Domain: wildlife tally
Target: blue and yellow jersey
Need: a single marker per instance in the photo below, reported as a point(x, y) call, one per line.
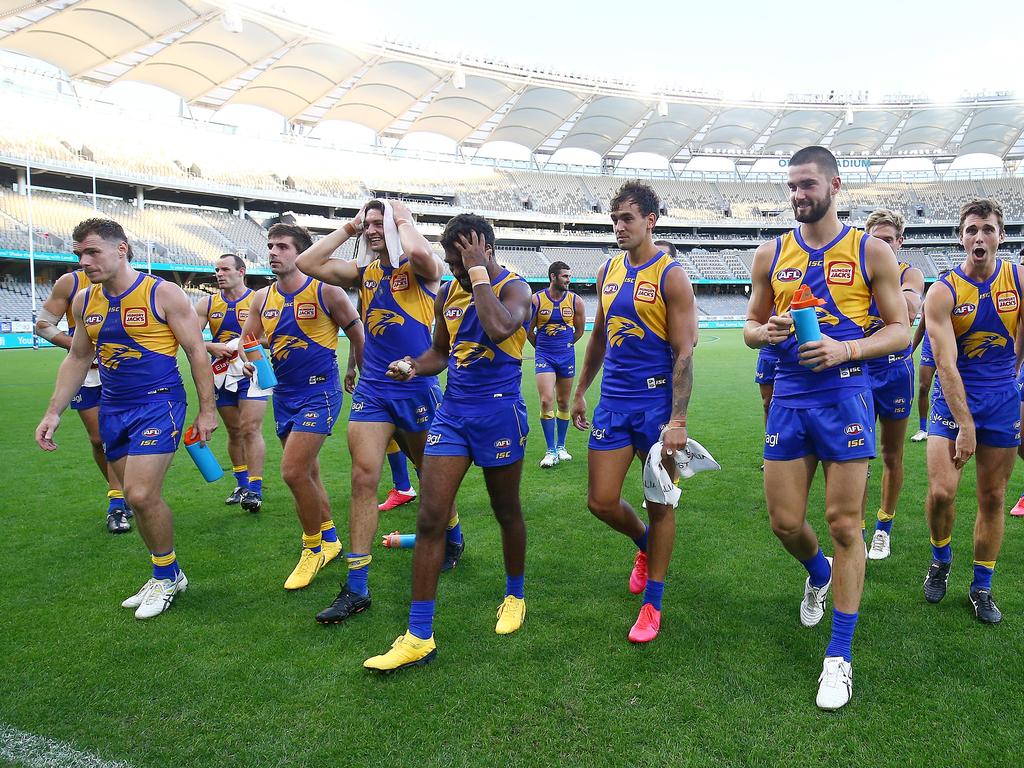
point(303, 338)
point(638, 356)
point(875, 324)
point(835, 273)
point(478, 369)
point(985, 320)
point(228, 317)
point(397, 312)
point(136, 349)
point(556, 334)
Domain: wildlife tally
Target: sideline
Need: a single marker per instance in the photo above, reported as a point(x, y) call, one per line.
point(23, 748)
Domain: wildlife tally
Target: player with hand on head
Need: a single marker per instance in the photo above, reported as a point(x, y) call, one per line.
point(133, 323)
point(87, 401)
point(974, 322)
point(242, 413)
point(892, 383)
point(558, 323)
point(479, 332)
point(822, 409)
point(300, 318)
point(644, 335)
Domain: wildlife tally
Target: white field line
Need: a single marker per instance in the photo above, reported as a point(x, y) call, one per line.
point(31, 751)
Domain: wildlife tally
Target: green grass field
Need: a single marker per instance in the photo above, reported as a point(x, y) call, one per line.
point(238, 673)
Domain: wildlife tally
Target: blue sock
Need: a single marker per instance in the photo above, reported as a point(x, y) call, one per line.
point(641, 540)
point(115, 504)
point(884, 525)
point(843, 625)
point(421, 619)
point(256, 485)
point(399, 471)
point(241, 476)
point(455, 534)
point(328, 531)
point(982, 577)
point(943, 553)
point(548, 426)
point(358, 578)
point(922, 424)
point(514, 586)
point(562, 428)
point(165, 566)
point(653, 593)
point(818, 569)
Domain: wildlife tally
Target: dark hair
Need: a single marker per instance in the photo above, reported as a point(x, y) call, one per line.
point(645, 198)
point(239, 264)
point(667, 246)
point(556, 267)
point(463, 224)
point(374, 205)
point(300, 236)
point(108, 229)
point(983, 207)
point(820, 156)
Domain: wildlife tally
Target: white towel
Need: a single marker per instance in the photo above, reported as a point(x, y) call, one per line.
point(658, 485)
point(391, 240)
point(227, 373)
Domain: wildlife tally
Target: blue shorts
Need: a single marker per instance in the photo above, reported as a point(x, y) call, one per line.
point(841, 431)
point(996, 418)
point(927, 361)
point(139, 430)
point(1020, 386)
point(314, 412)
point(87, 397)
point(613, 429)
point(765, 371)
point(495, 438)
point(228, 399)
point(563, 366)
point(409, 414)
point(893, 389)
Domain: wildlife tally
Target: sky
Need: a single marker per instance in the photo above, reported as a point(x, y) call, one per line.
point(742, 49)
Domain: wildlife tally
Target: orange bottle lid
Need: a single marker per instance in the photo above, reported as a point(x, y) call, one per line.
point(803, 298)
point(192, 436)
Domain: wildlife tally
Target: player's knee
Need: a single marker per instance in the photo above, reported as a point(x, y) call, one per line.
point(365, 478)
point(991, 501)
point(844, 530)
point(939, 495)
point(138, 496)
point(547, 403)
point(507, 511)
point(892, 458)
point(295, 475)
point(785, 528)
point(432, 520)
point(603, 509)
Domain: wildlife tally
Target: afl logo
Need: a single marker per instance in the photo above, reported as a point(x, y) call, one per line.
point(453, 313)
point(646, 292)
point(544, 312)
point(305, 312)
point(136, 317)
point(1006, 301)
point(611, 288)
point(216, 315)
point(271, 314)
point(93, 319)
point(370, 285)
point(853, 429)
point(505, 443)
point(151, 432)
point(961, 310)
point(788, 275)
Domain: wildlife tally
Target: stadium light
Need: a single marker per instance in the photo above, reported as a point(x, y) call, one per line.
point(662, 107)
point(459, 77)
point(231, 20)
point(849, 115)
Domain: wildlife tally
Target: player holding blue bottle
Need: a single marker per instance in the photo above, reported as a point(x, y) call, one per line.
point(558, 322)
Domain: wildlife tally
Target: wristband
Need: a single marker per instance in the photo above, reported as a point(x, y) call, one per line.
point(350, 229)
point(402, 223)
point(479, 276)
point(855, 346)
point(677, 423)
point(849, 352)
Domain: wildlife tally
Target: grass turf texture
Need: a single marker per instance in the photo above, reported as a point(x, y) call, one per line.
point(238, 673)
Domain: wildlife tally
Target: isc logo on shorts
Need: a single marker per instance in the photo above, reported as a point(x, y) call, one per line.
point(151, 432)
point(960, 310)
point(305, 311)
point(93, 319)
point(840, 273)
point(1006, 301)
point(433, 438)
point(655, 382)
point(503, 443)
point(853, 429)
point(503, 455)
point(646, 292)
point(611, 288)
point(400, 282)
point(788, 275)
point(136, 317)
point(453, 313)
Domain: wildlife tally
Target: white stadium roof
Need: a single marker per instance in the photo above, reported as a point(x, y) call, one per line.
point(212, 59)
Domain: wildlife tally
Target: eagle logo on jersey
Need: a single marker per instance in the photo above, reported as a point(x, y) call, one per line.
point(378, 321)
point(619, 328)
point(978, 343)
point(553, 329)
point(283, 346)
point(468, 352)
point(112, 355)
point(825, 317)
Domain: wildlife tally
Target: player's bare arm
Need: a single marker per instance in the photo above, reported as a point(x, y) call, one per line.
point(679, 307)
point(757, 332)
point(435, 358)
point(316, 260)
point(415, 246)
point(579, 318)
point(913, 292)
point(345, 315)
point(499, 317)
point(938, 307)
point(593, 359)
point(174, 305)
point(53, 308)
point(531, 331)
point(70, 377)
point(215, 349)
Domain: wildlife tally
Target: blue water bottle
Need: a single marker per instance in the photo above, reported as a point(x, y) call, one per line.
point(396, 540)
point(805, 318)
point(201, 454)
point(265, 377)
